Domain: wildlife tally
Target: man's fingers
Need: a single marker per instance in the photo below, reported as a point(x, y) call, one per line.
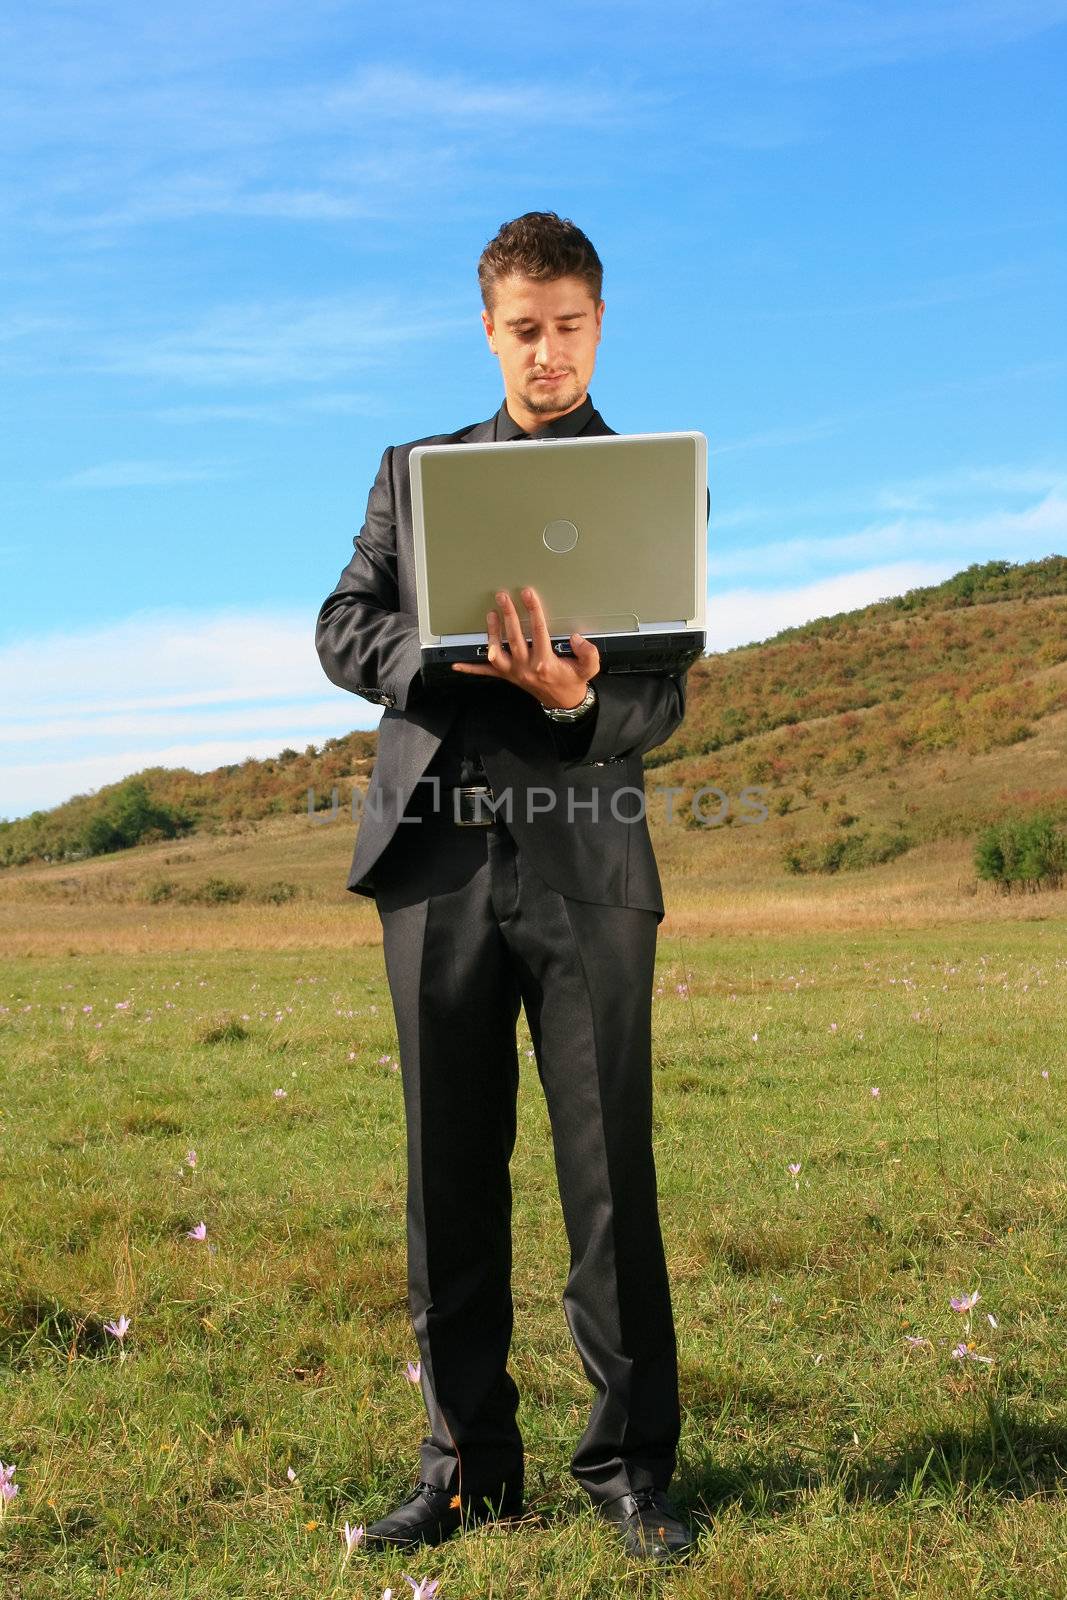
point(516, 663)
point(501, 664)
point(542, 639)
point(500, 657)
point(516, 637)
point(586, 655)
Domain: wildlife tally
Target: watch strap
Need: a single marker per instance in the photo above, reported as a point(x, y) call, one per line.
point(573, 713)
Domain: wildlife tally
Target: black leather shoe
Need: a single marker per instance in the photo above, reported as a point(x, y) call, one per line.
point(431, 1514)
point(651, 1528)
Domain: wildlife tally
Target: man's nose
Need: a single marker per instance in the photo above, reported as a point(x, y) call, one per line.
point(544, 353)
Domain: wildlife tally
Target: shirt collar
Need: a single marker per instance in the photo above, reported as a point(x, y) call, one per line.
point(565, 427)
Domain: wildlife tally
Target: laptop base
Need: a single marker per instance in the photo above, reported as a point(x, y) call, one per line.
point(653, 652)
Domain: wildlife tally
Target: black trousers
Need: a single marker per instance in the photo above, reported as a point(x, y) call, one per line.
point(470, 931)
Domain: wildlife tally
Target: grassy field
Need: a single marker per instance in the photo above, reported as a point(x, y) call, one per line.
point(832, 1443)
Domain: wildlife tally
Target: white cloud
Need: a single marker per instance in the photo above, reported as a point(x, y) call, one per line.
point(167, 143)
point(964, 483)
point(844, 34)
point(236, 722)
point(939, 523)
point(936, 491)
point(169, 656)
point(285, 411)
point(161, 688)
point(776, 438)
point(747, 615)
point(958, 289)
point(140, 474)
point(399, 94)
point(26, 325)
point(1026, 534)
point(37, 786)
point(282, 341)
point(834, 36)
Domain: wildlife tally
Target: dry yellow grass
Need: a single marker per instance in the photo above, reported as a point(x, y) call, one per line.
point(929, 887)
point(33, 929)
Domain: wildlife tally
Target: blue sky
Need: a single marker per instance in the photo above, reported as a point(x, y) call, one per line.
point(238, 245)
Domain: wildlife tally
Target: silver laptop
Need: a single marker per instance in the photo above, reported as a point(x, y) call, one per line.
point(611, 531)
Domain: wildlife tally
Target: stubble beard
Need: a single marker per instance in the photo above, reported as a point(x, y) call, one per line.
point(552, 404)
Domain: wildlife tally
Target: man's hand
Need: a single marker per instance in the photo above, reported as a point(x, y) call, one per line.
point(555, 681)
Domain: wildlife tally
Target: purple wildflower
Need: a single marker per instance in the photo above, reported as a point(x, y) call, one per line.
point(963, 1352)
point(424, 1590)
point(351, 1537)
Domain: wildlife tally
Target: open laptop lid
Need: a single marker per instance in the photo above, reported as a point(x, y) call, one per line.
point(611, 532)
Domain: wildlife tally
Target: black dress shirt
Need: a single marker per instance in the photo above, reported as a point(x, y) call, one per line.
point(456, 761)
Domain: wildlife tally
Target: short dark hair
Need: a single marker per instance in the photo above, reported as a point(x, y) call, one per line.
point(542, 246)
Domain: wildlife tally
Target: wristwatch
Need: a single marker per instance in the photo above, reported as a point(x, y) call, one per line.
point(572, 713)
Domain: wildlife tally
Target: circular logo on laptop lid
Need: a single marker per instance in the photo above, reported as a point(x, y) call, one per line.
point(560, 536)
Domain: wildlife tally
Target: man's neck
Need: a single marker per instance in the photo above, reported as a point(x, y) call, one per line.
point(532, 422)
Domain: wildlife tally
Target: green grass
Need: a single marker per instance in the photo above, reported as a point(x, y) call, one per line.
point(821, 1455)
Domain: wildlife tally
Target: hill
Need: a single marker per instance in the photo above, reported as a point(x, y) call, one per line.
point(889, 732)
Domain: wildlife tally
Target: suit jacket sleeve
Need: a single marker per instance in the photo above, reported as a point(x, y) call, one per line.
point(365, 643)
point(635, 711)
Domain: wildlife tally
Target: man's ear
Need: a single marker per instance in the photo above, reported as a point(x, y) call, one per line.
point(490, 331)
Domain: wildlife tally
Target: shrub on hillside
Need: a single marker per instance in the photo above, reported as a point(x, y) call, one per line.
point(130, 816)
point(1029, 852)
point(277, 893)
point(847, 852)
point(216, 892)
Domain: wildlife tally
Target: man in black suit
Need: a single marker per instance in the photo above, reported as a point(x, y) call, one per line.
point(504, 841)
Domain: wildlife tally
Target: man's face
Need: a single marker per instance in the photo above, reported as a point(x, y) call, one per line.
point(545, 337)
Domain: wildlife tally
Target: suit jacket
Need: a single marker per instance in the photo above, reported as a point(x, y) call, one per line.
point(367, 638)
